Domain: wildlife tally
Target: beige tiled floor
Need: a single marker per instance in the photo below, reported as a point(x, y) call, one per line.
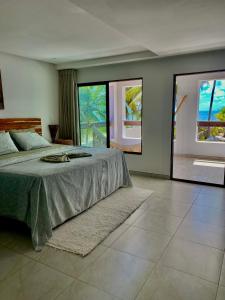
point(171, 248)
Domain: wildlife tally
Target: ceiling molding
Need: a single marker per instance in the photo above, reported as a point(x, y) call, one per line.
point(107, 60)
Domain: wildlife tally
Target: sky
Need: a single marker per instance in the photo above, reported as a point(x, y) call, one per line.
point(205, 95)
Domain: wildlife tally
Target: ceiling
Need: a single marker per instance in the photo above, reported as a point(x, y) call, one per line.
point(60, 31)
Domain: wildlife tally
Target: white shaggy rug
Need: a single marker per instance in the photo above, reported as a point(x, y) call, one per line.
point(84, 232)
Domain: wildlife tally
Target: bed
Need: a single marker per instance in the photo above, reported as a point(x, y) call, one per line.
point(45, 195)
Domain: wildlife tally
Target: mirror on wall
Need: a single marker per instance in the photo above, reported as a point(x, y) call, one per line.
point(199, 128)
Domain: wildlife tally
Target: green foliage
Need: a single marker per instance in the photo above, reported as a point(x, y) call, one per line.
point(92, 103)
point(92, 110)
point(217, 131)
point(221, 115)
point(133, 103)
point(202, 133)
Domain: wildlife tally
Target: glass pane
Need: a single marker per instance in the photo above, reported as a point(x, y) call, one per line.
point(212, 133)
point(218, 108)
point(133, 106)
point(92, 105)
point(133, 99)
point(204, 99)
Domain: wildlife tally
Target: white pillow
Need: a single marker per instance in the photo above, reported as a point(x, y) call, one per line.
point(6, 144)
point(29, 140)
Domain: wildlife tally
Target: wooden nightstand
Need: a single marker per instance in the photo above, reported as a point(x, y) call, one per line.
point(63, 142)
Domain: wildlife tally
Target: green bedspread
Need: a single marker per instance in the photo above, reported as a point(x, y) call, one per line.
point(44, 195)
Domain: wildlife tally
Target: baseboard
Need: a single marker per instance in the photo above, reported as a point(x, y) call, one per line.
point(146, 174)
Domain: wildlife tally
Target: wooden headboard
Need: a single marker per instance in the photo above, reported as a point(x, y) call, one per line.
point(21, 123)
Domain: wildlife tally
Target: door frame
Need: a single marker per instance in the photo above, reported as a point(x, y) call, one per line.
point(172, 131)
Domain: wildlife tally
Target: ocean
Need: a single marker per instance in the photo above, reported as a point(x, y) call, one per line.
point(203, 115)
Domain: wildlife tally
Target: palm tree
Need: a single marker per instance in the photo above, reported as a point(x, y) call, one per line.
point(133, 102)
point(92, 107)
point(221, 115)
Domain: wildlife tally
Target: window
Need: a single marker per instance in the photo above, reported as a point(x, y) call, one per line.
point(211, 111)
point(111, 115)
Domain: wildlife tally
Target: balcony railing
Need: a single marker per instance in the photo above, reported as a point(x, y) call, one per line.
point(207, 131)
point(94, 124)
point(101, 124)
point(131, 123)
point(210, 124)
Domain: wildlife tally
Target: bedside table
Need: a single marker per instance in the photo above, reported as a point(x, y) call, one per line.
point(63, 142)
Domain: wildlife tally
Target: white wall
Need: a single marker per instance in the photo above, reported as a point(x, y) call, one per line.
point(186, 142)
point(157, 100)
point(30, 89)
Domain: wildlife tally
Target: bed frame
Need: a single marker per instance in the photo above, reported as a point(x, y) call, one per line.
point(21, 123)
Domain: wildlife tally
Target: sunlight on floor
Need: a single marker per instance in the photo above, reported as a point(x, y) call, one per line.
point(199, 169)
point(207, 163)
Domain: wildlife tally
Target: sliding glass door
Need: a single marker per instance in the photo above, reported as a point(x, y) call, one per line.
point(110, 114)
point(93, 110)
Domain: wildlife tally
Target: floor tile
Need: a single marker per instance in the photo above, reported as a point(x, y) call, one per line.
point(22, 244)
point(190, 264)
point(163, 205)
point(34, 281)
point(202, 233)
point(139, 212)
point(210, 200)
point(10, 262)
point(147, 182)
point(195, 259)
point(115, 235)
point(169, 284)
point(118, 273)
point(82, 291)
point(159, 223)
point(145, 244)
point(69, 263)
point(178, 191)
point(221, 293)
point(207, 214)
point(213, 191)
point(16, 236)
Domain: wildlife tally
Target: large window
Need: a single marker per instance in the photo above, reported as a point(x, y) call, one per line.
point(111, 114)
point(211, 111)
